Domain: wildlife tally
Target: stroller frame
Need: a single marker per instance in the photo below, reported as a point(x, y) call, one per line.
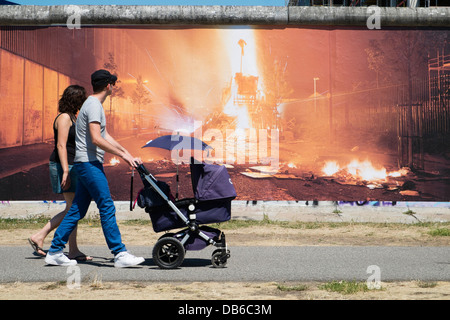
point(169, 251)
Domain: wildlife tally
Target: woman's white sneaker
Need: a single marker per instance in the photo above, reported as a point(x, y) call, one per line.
point(59, 259)
point(124, 259)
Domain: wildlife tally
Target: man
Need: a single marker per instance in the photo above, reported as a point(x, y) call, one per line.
point(92, 141)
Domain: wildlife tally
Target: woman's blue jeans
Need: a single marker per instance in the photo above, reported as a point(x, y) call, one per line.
point(92, 185)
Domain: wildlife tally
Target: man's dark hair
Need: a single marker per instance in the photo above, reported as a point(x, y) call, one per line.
point(100, 80)
point(99, 87)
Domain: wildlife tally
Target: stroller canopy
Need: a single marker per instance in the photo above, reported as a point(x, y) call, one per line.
point(211, 182)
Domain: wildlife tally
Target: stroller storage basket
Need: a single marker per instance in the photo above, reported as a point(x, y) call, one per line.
point(197, 243)
point(164, 218)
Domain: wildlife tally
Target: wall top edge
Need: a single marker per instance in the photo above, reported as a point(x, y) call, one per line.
point(222, 15)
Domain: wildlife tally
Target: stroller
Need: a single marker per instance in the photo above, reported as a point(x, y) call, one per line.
point(213, 193)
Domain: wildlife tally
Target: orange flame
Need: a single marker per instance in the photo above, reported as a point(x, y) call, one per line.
point(114, 161)
point(330, 168)
point(361, 171)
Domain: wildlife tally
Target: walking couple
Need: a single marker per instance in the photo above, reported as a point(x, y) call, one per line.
point(78, 161)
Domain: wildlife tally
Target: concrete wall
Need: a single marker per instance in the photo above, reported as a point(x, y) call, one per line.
point(322, 211)
point(224, 15)
point(239, 15)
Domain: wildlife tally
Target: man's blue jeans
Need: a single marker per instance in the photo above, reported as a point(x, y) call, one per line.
point(92, 185)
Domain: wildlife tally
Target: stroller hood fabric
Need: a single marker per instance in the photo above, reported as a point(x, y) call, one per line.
point(211, 182)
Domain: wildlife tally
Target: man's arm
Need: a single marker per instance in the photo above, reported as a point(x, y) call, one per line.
point(108, 144)
point(114, 143)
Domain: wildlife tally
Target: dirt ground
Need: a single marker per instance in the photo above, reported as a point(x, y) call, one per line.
point(346, 234)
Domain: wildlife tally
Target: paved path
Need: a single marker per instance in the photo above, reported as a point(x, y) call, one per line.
point(18, 263)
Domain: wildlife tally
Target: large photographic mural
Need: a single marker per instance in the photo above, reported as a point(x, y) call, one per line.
point(294, 113)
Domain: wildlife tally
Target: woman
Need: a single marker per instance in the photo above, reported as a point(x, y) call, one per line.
point(62, 173)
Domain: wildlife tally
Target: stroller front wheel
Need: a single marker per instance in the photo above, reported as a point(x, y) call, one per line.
point(219, 258)
point(168, 253)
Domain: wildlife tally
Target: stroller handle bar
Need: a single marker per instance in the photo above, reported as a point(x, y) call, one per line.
point(141, 169)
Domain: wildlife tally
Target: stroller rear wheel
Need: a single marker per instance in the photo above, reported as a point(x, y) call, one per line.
point(168, 253)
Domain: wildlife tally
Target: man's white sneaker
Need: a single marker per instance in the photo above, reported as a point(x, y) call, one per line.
point(59, 259)
point(124, 259)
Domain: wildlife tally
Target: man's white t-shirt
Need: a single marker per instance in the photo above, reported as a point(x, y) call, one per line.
point(91, 111)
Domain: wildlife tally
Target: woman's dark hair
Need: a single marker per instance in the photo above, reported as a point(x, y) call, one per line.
point(72, 99)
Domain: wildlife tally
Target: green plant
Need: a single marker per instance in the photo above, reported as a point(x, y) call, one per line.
point(53, 286)
point(411, 213)
point(345, 287)
point(300, 287)
point(426, 284)
point(28, 223)
point(440, 232)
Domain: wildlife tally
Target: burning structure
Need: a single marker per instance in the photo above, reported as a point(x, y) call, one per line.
point(243, 104)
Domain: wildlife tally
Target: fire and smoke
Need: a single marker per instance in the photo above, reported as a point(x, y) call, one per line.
point(243, 65)
point(360, 171)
